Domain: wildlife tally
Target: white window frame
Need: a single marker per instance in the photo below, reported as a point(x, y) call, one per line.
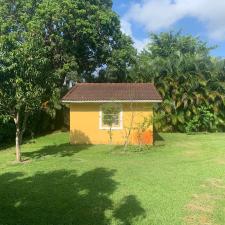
point(101, 127)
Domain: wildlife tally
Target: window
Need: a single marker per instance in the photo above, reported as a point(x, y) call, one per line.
point(111, 116)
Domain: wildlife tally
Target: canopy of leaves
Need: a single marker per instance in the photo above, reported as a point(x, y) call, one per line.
point(45, 42)
point(186, 77)
point(82, 36)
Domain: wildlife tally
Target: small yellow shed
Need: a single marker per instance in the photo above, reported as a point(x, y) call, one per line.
point(132, 121)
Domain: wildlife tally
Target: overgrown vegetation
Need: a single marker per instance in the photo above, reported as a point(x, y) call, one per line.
point(203, 121)
point(190, 81)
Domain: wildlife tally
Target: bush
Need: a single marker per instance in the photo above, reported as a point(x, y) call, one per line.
point(204, 121)
point(192, 126)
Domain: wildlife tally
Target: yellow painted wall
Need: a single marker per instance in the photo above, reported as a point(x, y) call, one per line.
point(85, 126)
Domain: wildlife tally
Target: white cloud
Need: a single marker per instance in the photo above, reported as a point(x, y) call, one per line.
point(155, 15)
point(126, 28)
point(140, 44)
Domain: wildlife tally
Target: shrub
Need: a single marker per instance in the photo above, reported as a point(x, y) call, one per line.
point(203, 121)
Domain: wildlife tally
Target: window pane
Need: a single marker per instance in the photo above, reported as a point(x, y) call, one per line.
point(111, 116)
point(110, 120)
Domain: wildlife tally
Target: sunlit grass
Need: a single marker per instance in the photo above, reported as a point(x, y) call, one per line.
point(181, 180)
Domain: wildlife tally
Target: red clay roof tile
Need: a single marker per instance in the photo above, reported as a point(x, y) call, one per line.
point(97, 92)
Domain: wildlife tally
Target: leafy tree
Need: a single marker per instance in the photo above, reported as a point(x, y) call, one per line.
point(45, 42)
point(24, 86)
point(80, 36)
point(85, 35)
point(119, 62)
point(186, 77)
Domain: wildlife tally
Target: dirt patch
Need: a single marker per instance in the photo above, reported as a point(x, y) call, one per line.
point(200, 210)
point(199, 207)
point(203, 219)
point(202, 205)
point(220, 161)
point(206, 197)
point(198, 220)
point(216, 183)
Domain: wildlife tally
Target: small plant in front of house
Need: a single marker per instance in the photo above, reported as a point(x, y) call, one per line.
point(142, 128)
point(111, 117)
point(130, 127)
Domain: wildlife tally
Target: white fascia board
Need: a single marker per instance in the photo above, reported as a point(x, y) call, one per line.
point(109, 101)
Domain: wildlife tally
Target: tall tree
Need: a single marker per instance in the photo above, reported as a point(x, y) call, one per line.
point(86, 32)
point(120, 61)
point(42, 42)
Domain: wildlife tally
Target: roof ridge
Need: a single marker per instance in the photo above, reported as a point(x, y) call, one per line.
point(70, 90)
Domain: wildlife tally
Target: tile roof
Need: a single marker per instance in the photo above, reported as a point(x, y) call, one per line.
point(106, 92)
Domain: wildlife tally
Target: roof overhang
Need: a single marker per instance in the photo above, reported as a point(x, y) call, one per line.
point(113, 101)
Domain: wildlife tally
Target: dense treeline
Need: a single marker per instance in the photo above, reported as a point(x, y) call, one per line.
point(191, 82)
point(44, 45)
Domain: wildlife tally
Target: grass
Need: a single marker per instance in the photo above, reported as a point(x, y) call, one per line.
point(179, 181)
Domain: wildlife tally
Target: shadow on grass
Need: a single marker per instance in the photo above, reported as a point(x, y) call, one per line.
point(81, 142)
point(158, 137)
point(64, 197)
point(62, 150)
point(26, 140)
point(158, 140)
point(128, 210)
point(5, 146)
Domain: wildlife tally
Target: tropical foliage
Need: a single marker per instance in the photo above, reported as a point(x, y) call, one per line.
point(204, 120)
point(187, 77)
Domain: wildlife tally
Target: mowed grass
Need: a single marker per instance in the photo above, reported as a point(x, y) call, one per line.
point(181, 180)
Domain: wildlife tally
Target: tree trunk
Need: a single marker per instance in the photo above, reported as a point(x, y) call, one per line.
point(23, 128)
point(130, 128)
point(110, 135)
point(16, 120)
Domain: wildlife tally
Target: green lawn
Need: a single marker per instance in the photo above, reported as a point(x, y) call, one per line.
point(179, 181)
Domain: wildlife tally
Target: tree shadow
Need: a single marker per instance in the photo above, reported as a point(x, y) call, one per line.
point(5, 146)
point(80, 142)
point(79, 137)
point(62, 150)
point(158, 139)
point(63, 197)
point(129, 210)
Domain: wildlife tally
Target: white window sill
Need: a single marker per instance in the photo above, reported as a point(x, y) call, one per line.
point(113, 128)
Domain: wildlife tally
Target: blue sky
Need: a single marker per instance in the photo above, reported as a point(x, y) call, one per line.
point(202, 18)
